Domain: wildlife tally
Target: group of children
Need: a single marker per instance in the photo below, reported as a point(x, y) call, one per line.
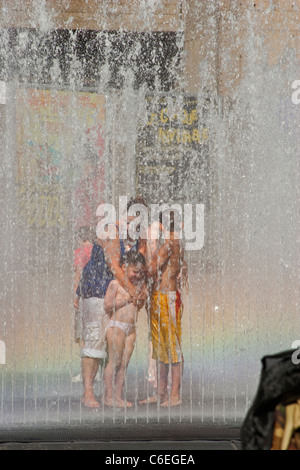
point(154, 270)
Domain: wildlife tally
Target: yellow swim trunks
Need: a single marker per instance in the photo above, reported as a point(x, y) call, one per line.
point(165, 319)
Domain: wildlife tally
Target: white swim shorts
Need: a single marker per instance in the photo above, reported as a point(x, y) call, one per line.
point(94, 320)
point(127, 328)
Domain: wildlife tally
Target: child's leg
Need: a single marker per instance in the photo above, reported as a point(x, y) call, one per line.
point(120, 378)
point(89, 370)
point(116, 344)
point(162, 380)
point(175, 398)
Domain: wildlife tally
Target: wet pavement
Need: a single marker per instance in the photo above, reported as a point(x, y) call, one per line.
point(65, 424)
point(54, 418)
point(191, 446)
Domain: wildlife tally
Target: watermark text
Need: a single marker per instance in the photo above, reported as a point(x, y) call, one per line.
point(184, 222)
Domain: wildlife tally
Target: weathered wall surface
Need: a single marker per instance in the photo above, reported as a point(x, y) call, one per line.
point(215, 32)
point(132, 15)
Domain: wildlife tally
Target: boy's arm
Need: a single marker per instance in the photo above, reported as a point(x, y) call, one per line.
point(184, 276)
point(110, 302)
point(145, 291)
point(111, 248)
point(162, 258)
point(77, 276)
point(110, 297)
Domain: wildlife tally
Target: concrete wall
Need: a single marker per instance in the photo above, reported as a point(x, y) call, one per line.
point(215, 31)
point(132, 15)
point(216, 36)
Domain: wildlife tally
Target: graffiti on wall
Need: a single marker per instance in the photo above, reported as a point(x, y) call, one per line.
point(59, 145)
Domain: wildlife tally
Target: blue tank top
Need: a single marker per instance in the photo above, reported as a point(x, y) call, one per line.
point(96, 274)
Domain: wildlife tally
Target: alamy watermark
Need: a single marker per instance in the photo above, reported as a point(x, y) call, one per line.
point(296, 93)
point(296, 353)
point(2, 353)
point(186, 222)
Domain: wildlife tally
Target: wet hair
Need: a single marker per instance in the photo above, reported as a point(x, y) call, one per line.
point(132, 258)
point(136, 200)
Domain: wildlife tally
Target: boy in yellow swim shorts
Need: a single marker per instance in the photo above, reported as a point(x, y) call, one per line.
point(165, 316)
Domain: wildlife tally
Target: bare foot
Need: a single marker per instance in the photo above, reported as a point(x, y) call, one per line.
point(124, 404)
point(90, 402)
point(118, 403)
point(171, 402)
point(148, 400)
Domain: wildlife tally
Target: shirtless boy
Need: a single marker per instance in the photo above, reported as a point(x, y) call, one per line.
point(165, 316)
point(121, 329)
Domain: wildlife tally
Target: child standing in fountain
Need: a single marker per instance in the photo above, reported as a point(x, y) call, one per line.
point(121, 329)
point(166, 312)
